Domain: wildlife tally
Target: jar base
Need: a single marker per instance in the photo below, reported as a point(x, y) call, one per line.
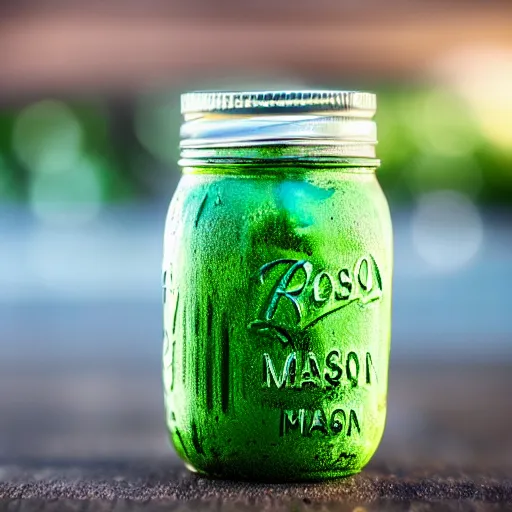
point(314, 476)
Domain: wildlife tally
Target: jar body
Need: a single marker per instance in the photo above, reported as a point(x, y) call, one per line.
point(277, 312)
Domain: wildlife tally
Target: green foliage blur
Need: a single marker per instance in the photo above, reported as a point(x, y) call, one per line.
point(432, 139)
point(97, 152)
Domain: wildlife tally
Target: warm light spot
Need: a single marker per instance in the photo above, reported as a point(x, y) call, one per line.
point(482, 75)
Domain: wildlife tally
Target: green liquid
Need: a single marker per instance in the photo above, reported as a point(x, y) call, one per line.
point(277, 316)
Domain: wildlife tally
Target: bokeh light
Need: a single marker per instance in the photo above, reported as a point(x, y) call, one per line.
point(443, 124)
point(47, 137)
point(70, 197)
point(447, 230)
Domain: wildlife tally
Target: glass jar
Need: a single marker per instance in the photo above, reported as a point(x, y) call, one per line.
point(277, 287)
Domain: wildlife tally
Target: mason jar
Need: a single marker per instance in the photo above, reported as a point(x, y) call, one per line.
point(277, 274)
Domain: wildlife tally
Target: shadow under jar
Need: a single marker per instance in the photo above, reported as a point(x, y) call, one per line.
point(277, 287)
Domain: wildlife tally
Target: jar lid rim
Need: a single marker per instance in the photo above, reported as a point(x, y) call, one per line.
point(353, 103)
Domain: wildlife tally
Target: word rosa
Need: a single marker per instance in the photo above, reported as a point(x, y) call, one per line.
point(313, 294)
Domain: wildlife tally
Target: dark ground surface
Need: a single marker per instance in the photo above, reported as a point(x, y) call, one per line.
point(93, 439)
point(166, 485)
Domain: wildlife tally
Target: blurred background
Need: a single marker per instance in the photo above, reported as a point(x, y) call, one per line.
point(89, 130)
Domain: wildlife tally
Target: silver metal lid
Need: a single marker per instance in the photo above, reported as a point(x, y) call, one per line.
point(341, 120)
point(357, 104)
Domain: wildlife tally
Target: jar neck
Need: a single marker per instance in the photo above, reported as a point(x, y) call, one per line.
point(321, 156)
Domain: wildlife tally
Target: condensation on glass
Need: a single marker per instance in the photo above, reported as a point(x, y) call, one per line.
point(277, 286)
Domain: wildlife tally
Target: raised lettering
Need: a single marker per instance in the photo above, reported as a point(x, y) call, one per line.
point(307, 422)
point(291, 421)
point(353, 421)
point(281, 289)
point(322, 291)
point(311, 296)
point(310, 372)
point(346, 285)
point(287, 378)
point(363, 271)
point(352, 370)
point(338, 421)
point(305, 372)
point(318, 422)
point(331, 361)
point(369, 365)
